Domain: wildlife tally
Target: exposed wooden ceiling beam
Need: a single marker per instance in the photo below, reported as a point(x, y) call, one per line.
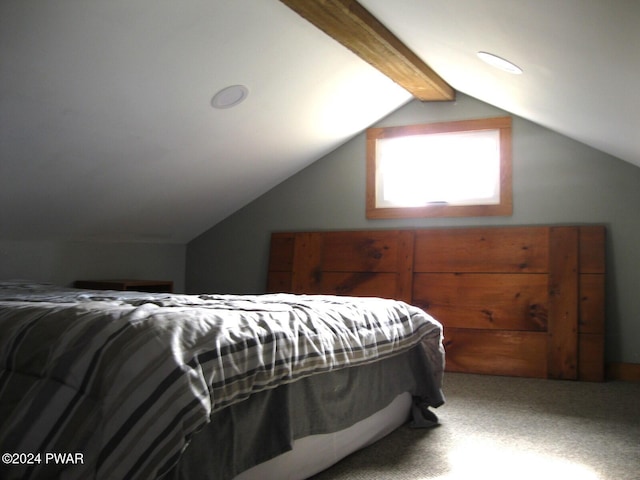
point(353, 26)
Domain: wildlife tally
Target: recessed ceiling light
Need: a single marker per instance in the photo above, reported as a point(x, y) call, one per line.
point(499, 62)
point(229, 96)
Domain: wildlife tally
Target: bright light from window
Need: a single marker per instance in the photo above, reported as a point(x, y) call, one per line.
point(459, 168)
point(445, 169)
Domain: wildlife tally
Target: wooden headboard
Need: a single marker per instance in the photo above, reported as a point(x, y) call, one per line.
point(521, 301)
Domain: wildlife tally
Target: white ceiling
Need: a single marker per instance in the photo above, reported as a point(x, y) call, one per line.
point(106, 128)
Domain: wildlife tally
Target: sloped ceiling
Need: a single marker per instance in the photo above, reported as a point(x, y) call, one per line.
point(107, 132)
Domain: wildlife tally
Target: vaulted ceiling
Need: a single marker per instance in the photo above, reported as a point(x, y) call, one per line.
point(107, 130)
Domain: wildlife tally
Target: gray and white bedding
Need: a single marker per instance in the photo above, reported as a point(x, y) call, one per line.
point(118, 383)
point(272, 422)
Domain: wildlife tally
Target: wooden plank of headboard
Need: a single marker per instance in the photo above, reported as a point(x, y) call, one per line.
point(563, 303)
point(523, 301)
point(482, 249)
point(591, 323)
point(307, 257)
point(500, 301)
point(406, 260)
point(365, 263)
point(280, 272)
point(496, 352)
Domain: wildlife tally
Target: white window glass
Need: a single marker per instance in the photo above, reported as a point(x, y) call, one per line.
point(460, 168)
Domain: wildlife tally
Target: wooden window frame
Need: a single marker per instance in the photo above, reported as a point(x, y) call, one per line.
point(503, 208)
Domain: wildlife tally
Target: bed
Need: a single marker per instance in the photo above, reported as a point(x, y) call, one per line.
point(514, 300)
point(114, 385)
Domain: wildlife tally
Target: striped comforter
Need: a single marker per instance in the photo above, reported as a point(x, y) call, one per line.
point(121, 380)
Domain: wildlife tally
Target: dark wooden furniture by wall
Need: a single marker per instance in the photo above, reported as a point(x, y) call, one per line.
point(151, 286)
point(521, 301)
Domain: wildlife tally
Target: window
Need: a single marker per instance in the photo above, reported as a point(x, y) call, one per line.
point(448, 169)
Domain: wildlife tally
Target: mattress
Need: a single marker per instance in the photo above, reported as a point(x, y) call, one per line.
point(133, 381)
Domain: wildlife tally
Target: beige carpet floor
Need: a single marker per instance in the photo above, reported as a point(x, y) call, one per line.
point(505, 428)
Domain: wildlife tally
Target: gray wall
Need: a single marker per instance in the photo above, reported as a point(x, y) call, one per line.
point(62, 263)
point(556, 181)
